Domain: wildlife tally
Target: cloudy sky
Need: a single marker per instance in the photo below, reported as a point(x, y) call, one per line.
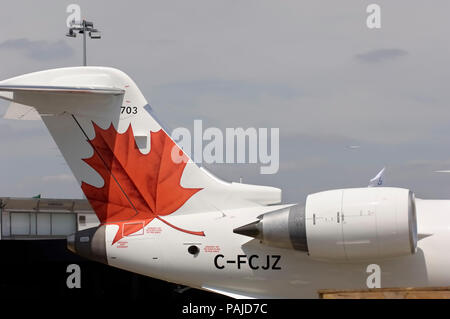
point(311, 68)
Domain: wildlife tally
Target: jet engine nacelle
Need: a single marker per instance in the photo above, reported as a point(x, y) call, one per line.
point(343, 225)
point(361, 223)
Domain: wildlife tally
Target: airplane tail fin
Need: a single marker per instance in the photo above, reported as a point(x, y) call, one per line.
point(127, 165)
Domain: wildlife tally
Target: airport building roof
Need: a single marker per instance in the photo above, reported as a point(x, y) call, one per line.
point(45, 204)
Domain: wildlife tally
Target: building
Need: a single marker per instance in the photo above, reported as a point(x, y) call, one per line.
point(35, 258)
point(44, 218)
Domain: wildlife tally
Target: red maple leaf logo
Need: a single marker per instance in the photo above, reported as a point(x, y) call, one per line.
point(137, 187)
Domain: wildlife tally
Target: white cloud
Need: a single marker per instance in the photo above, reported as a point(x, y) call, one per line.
point(39, 50)
point(61, 178)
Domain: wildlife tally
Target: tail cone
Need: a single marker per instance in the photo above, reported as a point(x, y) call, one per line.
point(89, 243)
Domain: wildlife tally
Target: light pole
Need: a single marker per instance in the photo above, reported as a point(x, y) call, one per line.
point(83, 28)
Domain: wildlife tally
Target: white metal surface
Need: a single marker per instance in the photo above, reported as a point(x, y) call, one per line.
point(360, 223)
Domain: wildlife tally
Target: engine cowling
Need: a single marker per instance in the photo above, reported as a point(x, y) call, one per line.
point(344, 224)
point(361, 223)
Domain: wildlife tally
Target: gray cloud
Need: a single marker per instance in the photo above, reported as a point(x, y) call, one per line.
point(39, 50)
point(381, 55)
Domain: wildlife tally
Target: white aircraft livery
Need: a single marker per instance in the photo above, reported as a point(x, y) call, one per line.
point(163, 216)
